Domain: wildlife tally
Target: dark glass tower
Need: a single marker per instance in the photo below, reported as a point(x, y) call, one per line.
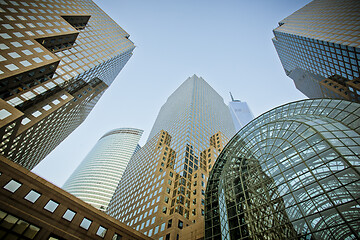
point(319, 48)
point(57, 59)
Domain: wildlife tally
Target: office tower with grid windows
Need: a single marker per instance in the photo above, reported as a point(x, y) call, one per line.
point(240, 113)
point(291, 173)
point(96, 178)
point(162, 191)
point(319, 48)
point(57, 59)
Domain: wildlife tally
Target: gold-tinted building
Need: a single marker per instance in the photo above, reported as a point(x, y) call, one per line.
point(57, 59)
point(321, 41)
point(162, 191)
point(32, 208)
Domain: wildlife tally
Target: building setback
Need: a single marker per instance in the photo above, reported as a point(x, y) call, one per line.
point(319, 48)
point(32, 208)
point(96, 178)
point(162, 191)
point(57, 59)
point(291, 173)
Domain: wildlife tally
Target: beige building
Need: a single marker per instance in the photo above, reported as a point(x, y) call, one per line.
point(162, 191)
point(32, 208)
point(57, 59)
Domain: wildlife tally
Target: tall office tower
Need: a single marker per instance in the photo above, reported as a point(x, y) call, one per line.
point(57, 59)
point(291, 173)
point(162, 191)
point(96, 178)
point(240, 113)
point(319, 48)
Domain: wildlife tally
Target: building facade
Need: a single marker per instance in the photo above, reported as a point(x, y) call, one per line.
point(162, 191)
point(240, 113)
point(57, 59)
point(94, 181)
point(321, 41)
point(289, 174)
point(32, 208)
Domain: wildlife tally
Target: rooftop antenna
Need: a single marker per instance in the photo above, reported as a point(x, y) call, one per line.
point(232, 98)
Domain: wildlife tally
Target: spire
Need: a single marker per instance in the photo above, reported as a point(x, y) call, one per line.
point(232, 98)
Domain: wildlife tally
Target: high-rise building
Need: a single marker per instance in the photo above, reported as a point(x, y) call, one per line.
point(240, 113)
point(32, 208)
point(96, 178)
point(291, 173)
point(162, 191)
point(57, 59)
point(319, 48)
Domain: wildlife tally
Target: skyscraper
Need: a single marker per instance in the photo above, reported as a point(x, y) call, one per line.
point(96, 178)
point(162, 191)
point(57, 59)
point(319, 48)
point(291, 173)
point(240, 113)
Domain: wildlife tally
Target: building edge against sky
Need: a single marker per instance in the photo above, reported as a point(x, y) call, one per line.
point(319, 48)
point(240, 113)
point(169, 173)
point(96, 178)
point(290, 173)
point(56, 63)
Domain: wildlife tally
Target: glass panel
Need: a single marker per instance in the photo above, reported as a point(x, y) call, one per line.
point(12, 186)
point(32, 196)
point(31, 231)
point(101, 231)
point(117, 237)
point(20, 226)
point(51, 206)
point(85, 223)
point(9, 221)
point(69, 215)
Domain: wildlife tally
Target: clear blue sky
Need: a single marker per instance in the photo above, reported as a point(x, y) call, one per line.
point(228, 43)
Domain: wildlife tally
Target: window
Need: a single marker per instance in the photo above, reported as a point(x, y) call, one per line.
point(11, 67)
point(117, 237)
point(4, 114)
point(169, 223)
point(85, 224)
point(12, 186)
point(180, 224)
point(69, 215)
point(32, 196)
point(51, 206)
point(101, 231)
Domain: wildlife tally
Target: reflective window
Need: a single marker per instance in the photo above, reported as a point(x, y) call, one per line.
point(69, 215)
point(51, 206)
point(32, 196)
point(101, 231)
point(12, 186)
point(85, 223)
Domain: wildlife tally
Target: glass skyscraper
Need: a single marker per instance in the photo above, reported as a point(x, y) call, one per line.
point(240, 113)
point(291, 173)
point(96, 178)
point(162, 191)
point(57, 59)
point(319, 48)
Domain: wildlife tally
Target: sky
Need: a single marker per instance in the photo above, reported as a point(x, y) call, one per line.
point(227, 43)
